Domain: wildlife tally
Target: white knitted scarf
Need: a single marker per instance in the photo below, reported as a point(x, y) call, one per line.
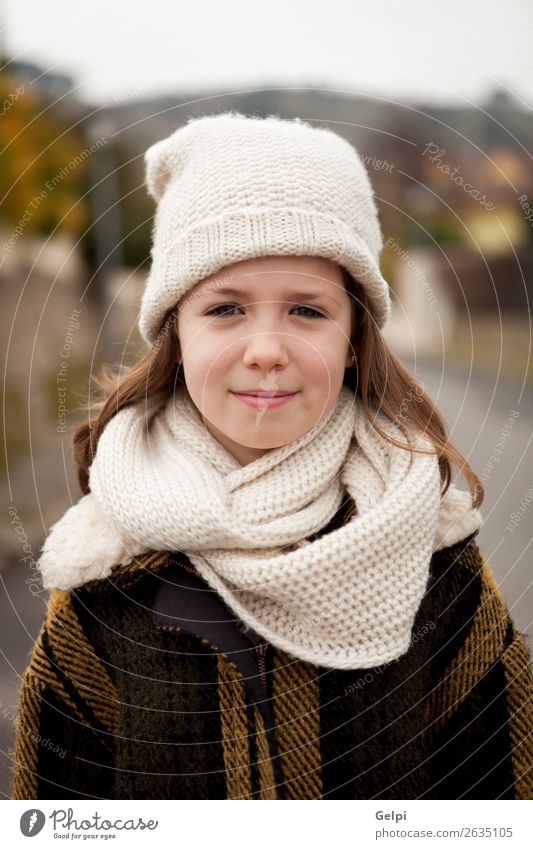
point(346, 600)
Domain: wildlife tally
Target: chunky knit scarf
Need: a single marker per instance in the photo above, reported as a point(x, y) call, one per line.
point(347, 600)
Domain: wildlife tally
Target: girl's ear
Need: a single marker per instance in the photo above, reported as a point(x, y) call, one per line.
point(350, 356)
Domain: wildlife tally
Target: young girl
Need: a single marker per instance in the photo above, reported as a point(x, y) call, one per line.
point(271, 588)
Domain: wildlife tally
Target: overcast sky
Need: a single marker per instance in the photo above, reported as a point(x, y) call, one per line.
point(432, 50)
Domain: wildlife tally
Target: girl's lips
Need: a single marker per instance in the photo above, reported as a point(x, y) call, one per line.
point(261, 402)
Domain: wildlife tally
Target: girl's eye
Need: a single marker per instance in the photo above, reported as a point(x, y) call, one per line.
point(228, 307)
point(225, 307)
point(316, 313)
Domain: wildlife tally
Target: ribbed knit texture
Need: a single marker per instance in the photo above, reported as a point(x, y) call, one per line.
point(346, 600)
point(230, 187)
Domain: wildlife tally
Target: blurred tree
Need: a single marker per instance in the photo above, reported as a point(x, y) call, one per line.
point(43, 164)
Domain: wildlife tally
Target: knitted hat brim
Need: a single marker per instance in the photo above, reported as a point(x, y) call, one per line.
point(202, 250)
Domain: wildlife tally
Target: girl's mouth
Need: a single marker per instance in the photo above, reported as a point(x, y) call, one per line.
point(261, 402)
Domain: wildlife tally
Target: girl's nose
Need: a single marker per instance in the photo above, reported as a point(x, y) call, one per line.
point(266, 350)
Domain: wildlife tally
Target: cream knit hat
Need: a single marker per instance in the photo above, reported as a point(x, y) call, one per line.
point(230, 187)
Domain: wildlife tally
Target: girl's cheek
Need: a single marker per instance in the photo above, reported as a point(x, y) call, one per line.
point(209, 363)
point(321, 363)
point(204, 346)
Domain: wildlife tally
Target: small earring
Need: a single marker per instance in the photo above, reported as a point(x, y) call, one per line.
point(353, 359)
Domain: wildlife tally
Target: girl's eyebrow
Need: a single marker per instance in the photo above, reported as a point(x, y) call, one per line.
point(291, 296)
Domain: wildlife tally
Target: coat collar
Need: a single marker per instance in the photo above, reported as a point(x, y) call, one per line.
point(184, 602)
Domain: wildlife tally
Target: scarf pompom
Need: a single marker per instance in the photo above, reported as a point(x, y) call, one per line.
point(82, 546)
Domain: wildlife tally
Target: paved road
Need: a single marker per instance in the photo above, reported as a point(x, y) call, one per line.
point(494, 419)
point(476, 410)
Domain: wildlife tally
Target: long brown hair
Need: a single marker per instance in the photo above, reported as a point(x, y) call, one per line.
point(379, 379)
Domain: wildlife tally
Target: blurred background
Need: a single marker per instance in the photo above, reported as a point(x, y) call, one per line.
point(436, 97)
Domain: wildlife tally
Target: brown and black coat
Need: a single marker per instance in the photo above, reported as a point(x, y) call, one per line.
point(150, 689)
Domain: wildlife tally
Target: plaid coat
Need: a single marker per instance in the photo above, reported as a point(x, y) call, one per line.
point(141, 687)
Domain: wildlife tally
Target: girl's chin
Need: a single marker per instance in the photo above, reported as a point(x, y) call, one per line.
point(264, 436)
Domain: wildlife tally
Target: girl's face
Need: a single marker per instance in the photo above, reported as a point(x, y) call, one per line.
point(264, 327)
